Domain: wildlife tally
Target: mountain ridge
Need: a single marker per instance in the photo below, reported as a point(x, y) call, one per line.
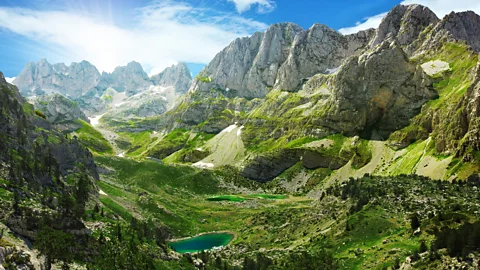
point(83, 83)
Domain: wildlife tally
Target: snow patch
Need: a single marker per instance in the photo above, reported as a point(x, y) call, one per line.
point(229, 129)
point(101, 192)
point(203, 165)
point(95, 120)
point(121, 154)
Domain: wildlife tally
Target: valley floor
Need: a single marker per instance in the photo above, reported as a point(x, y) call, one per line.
point(369, 230)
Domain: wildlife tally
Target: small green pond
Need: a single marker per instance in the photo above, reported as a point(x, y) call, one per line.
point(230, 198)
point(240, 198)
point(202, 242)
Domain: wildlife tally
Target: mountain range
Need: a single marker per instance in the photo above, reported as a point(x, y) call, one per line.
point(81, 82)
point(293, 149)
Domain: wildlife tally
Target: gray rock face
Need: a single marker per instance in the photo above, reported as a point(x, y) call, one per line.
point(317, 50)
point(458, 26)
point(58, 109)
point(379, 90)
point(43, 78)
point(177, 76)
point(405, 23)
point(282, 57)
point(249, 65)
point(130, 78)
point(416, 28)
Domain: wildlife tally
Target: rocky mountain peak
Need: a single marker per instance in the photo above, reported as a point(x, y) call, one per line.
point(281, 57)
point(463, 26)
point(319, 49)
point(44, 78)
point(178, 76)
point(135, 66)
point(130, 79)
point(405, 23)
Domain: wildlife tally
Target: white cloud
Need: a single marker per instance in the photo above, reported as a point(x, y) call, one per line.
point(162, 34)
point(9, 80)
point(440, 7)
point(263, 6)
point(371, 22)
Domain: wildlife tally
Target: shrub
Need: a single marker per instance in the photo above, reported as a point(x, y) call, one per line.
point(40, 114)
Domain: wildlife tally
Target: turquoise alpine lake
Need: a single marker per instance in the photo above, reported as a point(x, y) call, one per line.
point(202, 242)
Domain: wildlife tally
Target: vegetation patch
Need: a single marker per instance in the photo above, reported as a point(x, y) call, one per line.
point(92, 138)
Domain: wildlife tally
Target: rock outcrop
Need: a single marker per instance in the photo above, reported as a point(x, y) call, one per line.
point(458, 129)
point(21, 128)
point(155, 101)
point(379, 90)
point(37, 159)
point(58, 109)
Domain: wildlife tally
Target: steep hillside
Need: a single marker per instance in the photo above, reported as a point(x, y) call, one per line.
point(44, 176)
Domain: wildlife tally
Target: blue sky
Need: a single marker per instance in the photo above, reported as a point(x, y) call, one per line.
point(159, 33)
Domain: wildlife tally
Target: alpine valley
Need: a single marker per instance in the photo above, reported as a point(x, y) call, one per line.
point(292, 149)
